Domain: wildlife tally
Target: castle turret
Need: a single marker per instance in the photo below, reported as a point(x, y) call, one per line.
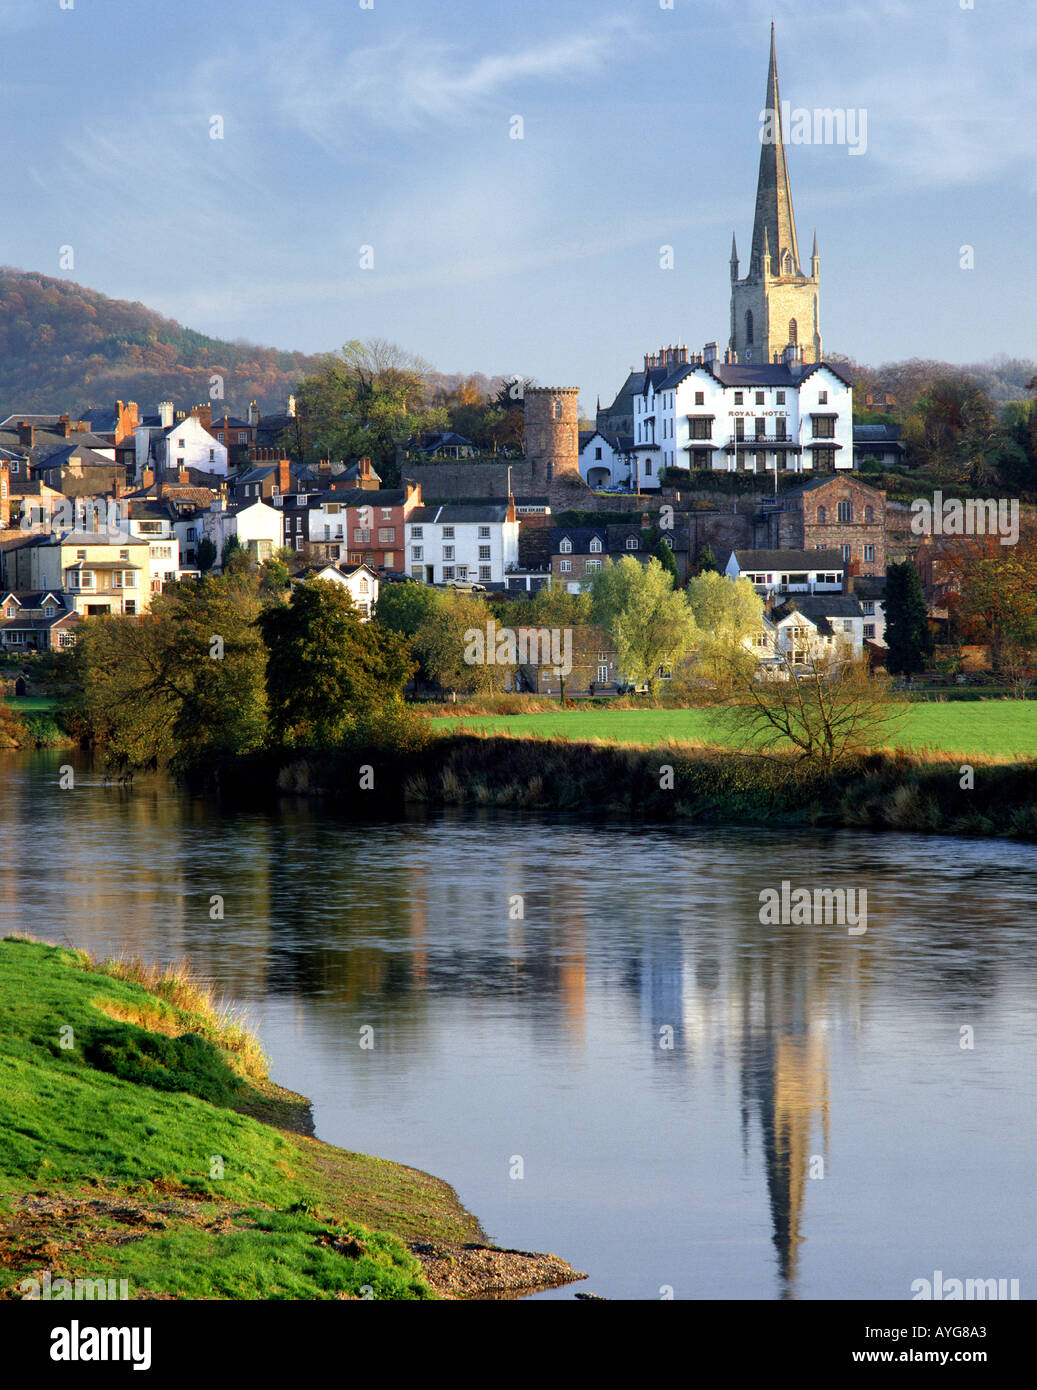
point(552, 431)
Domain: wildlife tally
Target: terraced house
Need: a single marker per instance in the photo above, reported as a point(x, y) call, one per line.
point(475, 542)
point(361, 526)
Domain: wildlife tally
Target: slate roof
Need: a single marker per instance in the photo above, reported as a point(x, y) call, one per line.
point(451, 514)
point(789, 559)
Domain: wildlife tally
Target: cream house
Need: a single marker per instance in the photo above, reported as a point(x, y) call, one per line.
point(98, 572)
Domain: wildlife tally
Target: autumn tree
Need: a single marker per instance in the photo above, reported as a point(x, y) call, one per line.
point(366, 400)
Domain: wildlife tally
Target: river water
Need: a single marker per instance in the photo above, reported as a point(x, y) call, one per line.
point(589, 1031)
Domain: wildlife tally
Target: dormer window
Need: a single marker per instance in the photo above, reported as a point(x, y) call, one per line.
point(595, 546)
point(631, 542)
point(566, 547)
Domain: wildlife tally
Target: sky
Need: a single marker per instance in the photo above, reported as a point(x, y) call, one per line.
point(389, 125)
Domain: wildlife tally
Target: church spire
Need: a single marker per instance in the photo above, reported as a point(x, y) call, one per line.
point(774, 213)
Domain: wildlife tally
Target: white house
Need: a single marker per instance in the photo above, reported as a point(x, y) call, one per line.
point(774, 572)
point(361, 582)
point(728, 417)
point(477, 542)
point(606, 460)
point(258, 527)
point(183, 444)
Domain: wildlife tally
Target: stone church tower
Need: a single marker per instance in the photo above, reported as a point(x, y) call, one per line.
point(776, 306)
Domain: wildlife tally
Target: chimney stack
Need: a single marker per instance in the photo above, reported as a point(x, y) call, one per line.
point(165, 414)
point(284, 476)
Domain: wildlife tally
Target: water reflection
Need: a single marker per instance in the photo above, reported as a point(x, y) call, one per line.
point(607, 1001)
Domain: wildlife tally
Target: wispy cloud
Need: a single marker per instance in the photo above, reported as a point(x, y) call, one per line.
point(408, 82)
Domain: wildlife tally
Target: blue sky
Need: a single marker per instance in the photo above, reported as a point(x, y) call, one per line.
point(389, 127)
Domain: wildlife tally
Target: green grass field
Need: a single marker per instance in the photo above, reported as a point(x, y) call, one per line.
point(143, 1142)
point(994, 728)
point(25, 703)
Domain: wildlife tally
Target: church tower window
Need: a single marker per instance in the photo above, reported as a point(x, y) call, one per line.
point(793, 332)
point(748, 326)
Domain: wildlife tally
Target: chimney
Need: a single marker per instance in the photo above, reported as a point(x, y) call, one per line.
point(411, 490)
point(181, 415)
point(284, 476)
point(324, 470)
point(204, 414)
point(512, 513)
point(646, 521)
point(25, 434)
point(710, 353)
point(253, 413)
point(183, 477)
point(147, 477)
point(165, 414)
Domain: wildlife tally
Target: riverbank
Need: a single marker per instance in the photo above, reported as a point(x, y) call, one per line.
point(671, 782)
point(144, 1142)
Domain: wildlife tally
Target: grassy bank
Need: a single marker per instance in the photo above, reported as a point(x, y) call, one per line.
point(992, 728)
point(31, 722)
point(143, 1141)
point(673, 782)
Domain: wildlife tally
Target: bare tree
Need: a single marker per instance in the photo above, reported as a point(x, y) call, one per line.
point(826, 707)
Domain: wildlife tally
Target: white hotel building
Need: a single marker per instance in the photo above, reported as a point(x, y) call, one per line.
point(698, 412)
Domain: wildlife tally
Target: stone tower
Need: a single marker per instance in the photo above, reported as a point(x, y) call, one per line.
point(776, 307)
point(552, 432)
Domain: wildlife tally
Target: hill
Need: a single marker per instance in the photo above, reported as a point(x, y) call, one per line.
point(66, 347)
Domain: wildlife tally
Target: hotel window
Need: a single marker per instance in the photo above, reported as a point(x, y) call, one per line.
point(822, 397)
point(761, 427)
point(701, 427)
point(739, 429)
point(781, 429)
point(824, 427)
point(780, 398)
point(824, 458)
point(759, 398)
point(738, 398)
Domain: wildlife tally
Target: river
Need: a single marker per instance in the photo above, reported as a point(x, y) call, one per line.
point(588, 1030)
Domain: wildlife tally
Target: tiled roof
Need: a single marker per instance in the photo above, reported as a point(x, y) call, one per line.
point(789, 559)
